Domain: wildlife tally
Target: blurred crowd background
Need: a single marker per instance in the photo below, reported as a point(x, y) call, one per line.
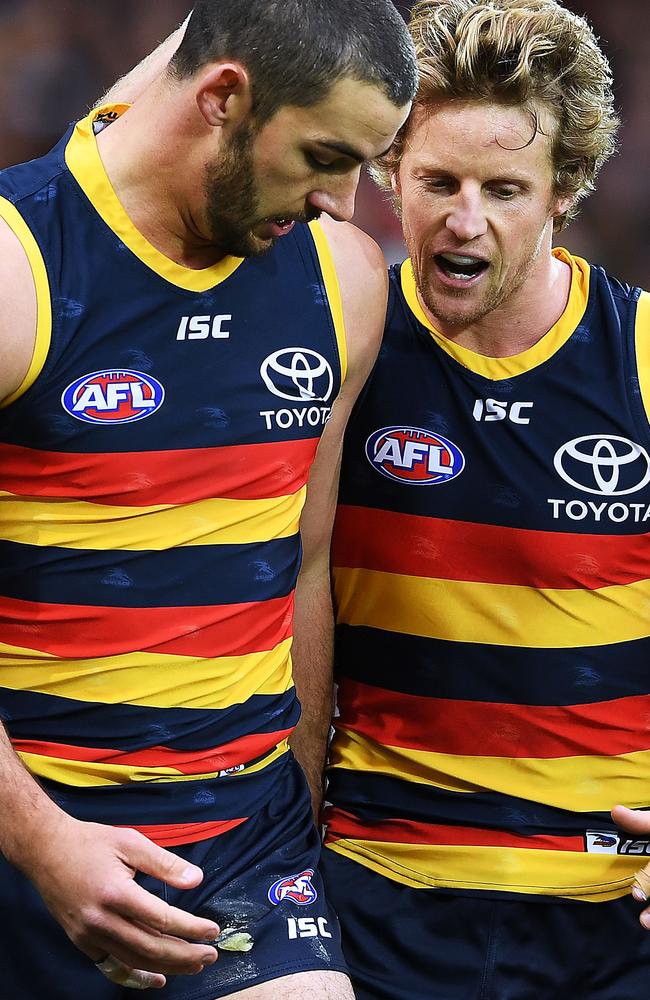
point(58, 56)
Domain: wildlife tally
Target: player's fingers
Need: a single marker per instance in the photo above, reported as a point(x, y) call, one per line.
point(633, 820)
point(138, 904)
point(140, 947)
point(641, 892)
point(133, 979)
point(144, 856)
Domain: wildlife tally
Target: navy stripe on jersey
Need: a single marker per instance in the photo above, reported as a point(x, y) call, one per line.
point(410, 800)
point(512, 675)
point(169, 802)
point(193, 576)
point(35, 716)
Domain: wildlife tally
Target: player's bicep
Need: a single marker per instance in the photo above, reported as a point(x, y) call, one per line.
point(24, 304)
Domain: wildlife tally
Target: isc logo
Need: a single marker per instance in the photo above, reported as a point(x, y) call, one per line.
point(306, 927)
point(203, 327)
point(113, 397)
point(490, 410)
point(413, 455)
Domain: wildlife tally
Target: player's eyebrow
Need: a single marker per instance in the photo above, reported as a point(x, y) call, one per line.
point(346, 150)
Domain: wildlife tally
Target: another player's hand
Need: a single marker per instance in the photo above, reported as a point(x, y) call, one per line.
point(637, 822)
point(85, 875)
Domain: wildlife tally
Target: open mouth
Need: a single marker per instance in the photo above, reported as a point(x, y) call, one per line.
point(459, 267)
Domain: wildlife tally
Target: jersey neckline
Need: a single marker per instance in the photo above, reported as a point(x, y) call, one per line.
point(496, 369)
point(85, 164)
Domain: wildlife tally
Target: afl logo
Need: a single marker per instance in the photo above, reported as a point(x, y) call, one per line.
point(297, 888)
point(299, 374)
point(113, 397)
point(606, 465)
point(413, 455)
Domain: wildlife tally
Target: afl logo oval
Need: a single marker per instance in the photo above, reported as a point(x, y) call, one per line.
point(113, 397)
point(414, 456)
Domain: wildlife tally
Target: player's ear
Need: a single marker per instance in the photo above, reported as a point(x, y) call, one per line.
point(562, 205)
point(224, 94)
point(395, 183)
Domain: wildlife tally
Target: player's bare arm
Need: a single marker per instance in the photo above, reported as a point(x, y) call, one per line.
point(362, 278)
point(85, 874)
point(18, 314)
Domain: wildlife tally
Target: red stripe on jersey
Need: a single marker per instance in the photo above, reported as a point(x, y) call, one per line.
point(400, 831)
point(173, 835)
point(220, 758)
point(78, 631)
point(485, 553)
point(491, 729)
point(141, 479)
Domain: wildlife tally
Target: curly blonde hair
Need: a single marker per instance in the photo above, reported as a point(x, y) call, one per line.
point(518, 52)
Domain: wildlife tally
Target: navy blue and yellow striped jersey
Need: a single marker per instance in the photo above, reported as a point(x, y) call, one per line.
point(153, 469)
point(492, 579)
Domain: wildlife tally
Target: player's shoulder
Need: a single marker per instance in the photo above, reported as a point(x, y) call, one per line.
point(359, 260)
point(18, 309)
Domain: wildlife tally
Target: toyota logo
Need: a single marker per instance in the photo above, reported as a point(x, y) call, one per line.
point(607, 466)
point(298, 373)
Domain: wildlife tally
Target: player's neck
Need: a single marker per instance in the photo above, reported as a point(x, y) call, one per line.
point(145, 155)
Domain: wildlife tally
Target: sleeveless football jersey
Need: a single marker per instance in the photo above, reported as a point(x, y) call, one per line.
point(492, 565)
point(153, 468)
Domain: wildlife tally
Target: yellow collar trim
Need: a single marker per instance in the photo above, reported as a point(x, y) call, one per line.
point(85, 164)
point(502, 368)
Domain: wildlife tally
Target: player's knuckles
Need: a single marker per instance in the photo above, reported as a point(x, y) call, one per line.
point(168, 866)
point(173, 960)
point(90, 926)
point(134, 845)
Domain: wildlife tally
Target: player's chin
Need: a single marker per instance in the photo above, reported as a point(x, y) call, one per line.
point(259, 244)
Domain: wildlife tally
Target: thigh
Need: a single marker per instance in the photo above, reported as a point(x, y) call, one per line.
point(315, 985)
point(262, 883)
point(37, 959)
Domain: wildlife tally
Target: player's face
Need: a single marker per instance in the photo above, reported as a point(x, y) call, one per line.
point(477, 207)
point(302, 162)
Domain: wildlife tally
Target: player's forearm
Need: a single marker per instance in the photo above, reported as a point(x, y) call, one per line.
point(27, 814)
point(312, 665)
point(130, 87)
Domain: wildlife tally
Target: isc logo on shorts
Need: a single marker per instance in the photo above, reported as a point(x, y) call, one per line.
point(297, 888)
point(113, 397)
point(413, 455)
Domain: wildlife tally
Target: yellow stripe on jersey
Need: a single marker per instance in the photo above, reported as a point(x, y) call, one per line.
point(160, 681)
point(552, 873)
point(586, 783)
point(642, 336)
point(83, 773)
point(517, 364)
point(43, 332)
point(81, 525)
point(495, 614)
point(85, 164)
point(333, 292)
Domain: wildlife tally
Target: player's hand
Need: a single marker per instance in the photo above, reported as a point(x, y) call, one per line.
point(85, 874)
point(637, 822)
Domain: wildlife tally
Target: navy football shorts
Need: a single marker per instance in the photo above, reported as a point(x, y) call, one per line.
point(422, 944)
point(261, 877)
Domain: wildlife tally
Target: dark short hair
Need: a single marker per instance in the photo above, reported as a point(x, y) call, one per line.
point(295, 50)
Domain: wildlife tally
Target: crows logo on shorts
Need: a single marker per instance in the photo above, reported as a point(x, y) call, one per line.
point(297, 888)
